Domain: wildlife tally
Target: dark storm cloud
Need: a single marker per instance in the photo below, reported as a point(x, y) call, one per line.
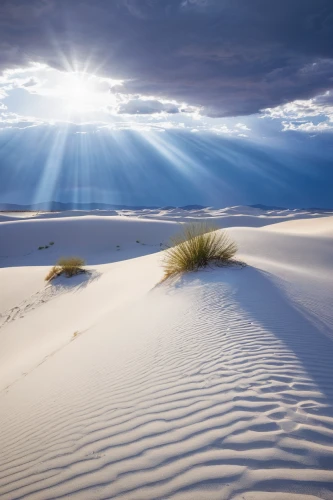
point(232, 57)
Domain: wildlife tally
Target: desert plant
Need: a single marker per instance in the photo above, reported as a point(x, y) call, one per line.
point(71, 265)
point(197, 245)
point(53, 273)
point(51, 243)
point(40, 248)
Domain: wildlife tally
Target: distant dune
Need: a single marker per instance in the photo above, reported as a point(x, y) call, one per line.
point(55, 206)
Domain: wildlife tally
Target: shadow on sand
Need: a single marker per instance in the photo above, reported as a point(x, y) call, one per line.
point(74, 283)
point(258, 295)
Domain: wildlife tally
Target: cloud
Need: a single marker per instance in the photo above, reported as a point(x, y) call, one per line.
point(14, 121)
point(43, 95)
point(242, 126)
point(58, 94)
point(12, 11)
point(300, 114)
point(146, 107)
point(308, 127)
point(195, 3)
point(228, 57)
point(319, 105)
point(31, 82)
point(225, 130)
point(13, 79)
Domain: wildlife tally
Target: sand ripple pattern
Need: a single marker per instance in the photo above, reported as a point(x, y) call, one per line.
point(218, 394)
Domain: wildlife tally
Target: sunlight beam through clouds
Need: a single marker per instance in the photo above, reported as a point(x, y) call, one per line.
point(157, 168)
point(100, 138)
point(46, 188)
point(87, 109)
point(177, 158)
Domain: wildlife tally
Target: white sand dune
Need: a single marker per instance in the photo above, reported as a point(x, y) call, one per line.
point(217, 385)
point(322, 227)
point(95, 238)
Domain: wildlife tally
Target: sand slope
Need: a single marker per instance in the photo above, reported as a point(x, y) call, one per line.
point(218, 385)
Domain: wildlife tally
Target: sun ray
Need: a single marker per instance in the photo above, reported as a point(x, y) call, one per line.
point(47, 185)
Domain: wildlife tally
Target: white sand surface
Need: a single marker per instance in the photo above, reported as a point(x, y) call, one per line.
point(216, 385)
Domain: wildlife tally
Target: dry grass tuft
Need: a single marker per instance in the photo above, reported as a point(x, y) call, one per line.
point(53, 273)
point(70, 266)
point(198, 245)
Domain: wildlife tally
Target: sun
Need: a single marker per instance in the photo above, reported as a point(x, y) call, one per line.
point(79, 92)
point(85, 92)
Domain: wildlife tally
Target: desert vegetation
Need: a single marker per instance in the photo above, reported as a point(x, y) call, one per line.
point(46, 246)
point(69, 266)
point(53, 273)
point(196, 246)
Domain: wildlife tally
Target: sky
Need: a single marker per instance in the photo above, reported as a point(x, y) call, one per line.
point(167, 102)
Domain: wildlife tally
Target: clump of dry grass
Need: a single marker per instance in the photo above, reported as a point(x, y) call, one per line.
point(53, 273)
point(196, 246)
point(69, 266)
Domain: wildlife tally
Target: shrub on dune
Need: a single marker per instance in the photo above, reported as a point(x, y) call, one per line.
point(69, 266)
point(196, 246)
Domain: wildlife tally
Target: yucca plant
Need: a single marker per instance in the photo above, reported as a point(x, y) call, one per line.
point(197, 245)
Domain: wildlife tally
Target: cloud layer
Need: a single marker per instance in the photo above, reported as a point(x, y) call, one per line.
point(312, 115)
point(228, 57)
